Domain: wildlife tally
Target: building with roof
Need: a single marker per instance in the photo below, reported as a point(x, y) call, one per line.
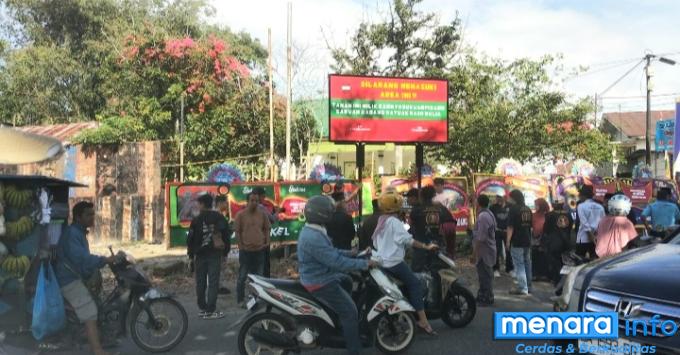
point(627, 129)
point(380, 159)
point(123, 181)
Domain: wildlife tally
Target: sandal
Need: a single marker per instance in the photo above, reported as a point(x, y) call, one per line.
point(427, 329)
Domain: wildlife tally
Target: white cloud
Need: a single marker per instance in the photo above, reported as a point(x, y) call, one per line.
point(584, 32)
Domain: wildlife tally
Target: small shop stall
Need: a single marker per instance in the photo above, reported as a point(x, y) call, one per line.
point(33, 210)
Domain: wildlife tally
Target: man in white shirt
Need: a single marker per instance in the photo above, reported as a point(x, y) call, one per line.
point(589, 213)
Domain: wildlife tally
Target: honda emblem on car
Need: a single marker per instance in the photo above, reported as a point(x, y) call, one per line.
point(627, 308)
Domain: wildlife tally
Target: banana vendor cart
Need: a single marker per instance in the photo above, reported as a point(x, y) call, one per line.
point(33, 209)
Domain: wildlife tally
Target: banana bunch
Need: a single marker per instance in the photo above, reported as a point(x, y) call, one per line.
point(16, 266)
point(18, 198)
point(19, 228)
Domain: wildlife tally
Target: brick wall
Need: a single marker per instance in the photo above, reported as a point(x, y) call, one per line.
point(134, 212)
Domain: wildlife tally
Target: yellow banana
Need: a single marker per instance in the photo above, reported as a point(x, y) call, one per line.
point(29, 225)
point(10, 195)
point(24, 264)
point(26, 197)
point(5, 263)
point(23, 227)
point(13, 266)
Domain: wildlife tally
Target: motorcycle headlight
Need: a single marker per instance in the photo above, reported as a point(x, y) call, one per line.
point(391, 292)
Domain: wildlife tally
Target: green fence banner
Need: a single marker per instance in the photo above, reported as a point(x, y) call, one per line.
point(293, 197)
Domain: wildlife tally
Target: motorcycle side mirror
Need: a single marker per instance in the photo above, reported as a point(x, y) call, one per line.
point(111, 250)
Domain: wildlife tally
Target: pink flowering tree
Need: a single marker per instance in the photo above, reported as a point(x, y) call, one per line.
point(225, 104)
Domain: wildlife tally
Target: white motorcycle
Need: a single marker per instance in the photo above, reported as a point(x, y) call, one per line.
point(284, 317)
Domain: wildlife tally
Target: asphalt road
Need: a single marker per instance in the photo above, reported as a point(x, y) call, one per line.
point(212, 337)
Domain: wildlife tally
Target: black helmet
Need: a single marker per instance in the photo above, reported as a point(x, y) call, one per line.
point(319, 209)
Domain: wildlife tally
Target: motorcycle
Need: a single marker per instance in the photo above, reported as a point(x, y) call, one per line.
point(156, 322)
point(445, 296)
point(284, 317)
point(571, 263)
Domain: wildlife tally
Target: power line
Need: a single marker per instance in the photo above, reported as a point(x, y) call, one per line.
point(621, 77)
point(588, 72)
point(615, 61)
point(638, 96)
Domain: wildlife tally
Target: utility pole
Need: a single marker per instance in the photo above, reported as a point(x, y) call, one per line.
point(271, 106)
point(595, 117)
point(289, 100)
point(181, 139)
point(648, 115)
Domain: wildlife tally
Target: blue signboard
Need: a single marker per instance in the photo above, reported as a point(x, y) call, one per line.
point(665, 131)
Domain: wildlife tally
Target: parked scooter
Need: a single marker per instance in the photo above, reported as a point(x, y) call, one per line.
point(445, 296)
point(156, 322)
point(283, 316)
point(570, 262)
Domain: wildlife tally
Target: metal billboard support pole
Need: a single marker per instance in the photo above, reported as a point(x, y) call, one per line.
point(419, 164)
point(360, 166)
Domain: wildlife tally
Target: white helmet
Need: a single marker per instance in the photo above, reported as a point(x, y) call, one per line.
point(619, 205)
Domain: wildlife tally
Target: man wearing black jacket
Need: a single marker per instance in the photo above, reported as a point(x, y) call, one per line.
point(207, 242)
point(368, 226)
point(341, 227)
point(556, 239)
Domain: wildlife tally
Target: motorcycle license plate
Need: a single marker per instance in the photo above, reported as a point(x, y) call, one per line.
point(566, 269)
point(251, 303)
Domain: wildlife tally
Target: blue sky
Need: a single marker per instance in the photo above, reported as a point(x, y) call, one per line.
point(598, 34)
point(604, 35)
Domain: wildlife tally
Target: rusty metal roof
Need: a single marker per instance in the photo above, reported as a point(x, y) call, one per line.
point(63, 132)
point(632, 124)
point(38, 180)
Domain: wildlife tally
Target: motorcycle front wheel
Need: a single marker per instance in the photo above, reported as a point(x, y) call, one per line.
point(394, 333)
point(270, 322)
point(168, 330)
point(459, 307)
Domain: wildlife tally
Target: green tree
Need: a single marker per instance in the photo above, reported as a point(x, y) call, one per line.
point(416, 43)
point(130, 65)
point(496, 109)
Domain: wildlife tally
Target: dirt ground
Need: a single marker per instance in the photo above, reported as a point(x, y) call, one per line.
point(168, 268)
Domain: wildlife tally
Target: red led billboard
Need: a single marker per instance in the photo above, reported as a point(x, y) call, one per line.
point(381, 109)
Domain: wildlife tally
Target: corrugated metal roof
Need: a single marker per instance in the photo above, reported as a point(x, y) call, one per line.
point(63, 132)
point(39, 180)
point(632, 124)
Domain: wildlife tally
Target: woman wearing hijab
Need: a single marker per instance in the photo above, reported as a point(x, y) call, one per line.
point(390, 239)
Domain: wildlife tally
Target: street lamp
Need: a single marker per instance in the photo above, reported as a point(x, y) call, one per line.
point(648, 118)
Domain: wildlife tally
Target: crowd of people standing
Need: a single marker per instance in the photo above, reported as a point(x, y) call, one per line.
point(507, 236)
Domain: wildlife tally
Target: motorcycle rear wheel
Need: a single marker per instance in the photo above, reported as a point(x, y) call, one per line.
point(459, 307)
point(139, 323)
